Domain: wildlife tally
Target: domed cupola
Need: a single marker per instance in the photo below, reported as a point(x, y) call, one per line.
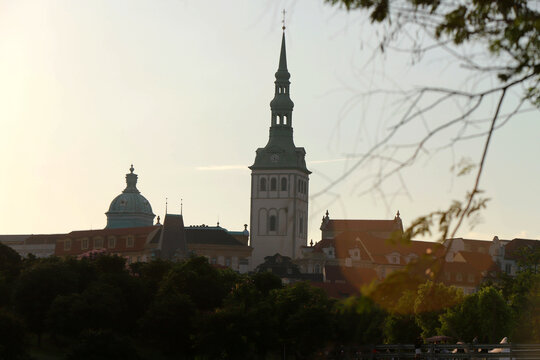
point(130, 208)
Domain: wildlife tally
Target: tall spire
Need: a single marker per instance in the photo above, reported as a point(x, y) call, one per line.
point(280, 151)
point(283, 73)
point(282, 105)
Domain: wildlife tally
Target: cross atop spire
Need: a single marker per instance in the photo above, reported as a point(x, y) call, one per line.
point(283, 20)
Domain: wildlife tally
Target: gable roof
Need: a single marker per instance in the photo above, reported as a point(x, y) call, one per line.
point(511, 251)
point(480, 246)
point(377, 248)
point(139, 230)
point(210, 236)
point(481, 262)
point(362, 225)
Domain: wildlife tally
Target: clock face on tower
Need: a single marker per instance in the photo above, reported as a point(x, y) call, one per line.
point(274, 157)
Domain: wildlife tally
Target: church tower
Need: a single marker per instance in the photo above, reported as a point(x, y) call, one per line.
point(279, 181)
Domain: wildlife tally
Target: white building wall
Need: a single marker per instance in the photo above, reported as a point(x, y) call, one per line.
point(289, 206)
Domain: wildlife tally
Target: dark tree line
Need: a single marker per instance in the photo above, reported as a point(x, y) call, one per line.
point(100, 308)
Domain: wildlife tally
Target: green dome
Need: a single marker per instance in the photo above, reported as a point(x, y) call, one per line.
point(130, 203)
point(130, 209)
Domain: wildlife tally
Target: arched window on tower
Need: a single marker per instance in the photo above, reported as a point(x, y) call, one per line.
point(283, 184)
point(273, 184)
point(263, 184)
point(284, 119)
point(272, 224)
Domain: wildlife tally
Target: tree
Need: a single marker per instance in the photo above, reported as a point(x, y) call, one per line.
point(36, 289)
point(12, 344)
point(400, 325)
point(505, 64)
point(432, 300)
point(168, 324)
point(10, 262)
point(527, 316)
point(204, 284)
point(484, 315)
point(103, 345)
point(10, 267)
point(359, 321)
point(299, 307)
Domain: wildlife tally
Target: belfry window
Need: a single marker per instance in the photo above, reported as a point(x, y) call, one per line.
point(283, 184)
point(263, 184)
point(273, 184)
point(272, 223)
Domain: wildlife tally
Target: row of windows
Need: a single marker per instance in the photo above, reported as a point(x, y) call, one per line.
point(263, 185)
point(281, 120)
point(273, 184)
point(98, 243)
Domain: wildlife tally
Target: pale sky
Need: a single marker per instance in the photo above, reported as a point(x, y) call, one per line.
point(181, 89)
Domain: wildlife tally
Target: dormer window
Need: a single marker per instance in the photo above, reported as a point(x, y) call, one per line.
point(410, 257)
point(393, 258)
point(355, 253)
point(330, 252)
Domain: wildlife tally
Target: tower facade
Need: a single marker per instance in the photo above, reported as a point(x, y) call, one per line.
point(279, 181)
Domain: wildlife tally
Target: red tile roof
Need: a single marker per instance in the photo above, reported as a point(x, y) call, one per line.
point(451, 272)
point(481, 262)
point(115, 232)
point(511, 251)
point(375, 248)
point(362, 225)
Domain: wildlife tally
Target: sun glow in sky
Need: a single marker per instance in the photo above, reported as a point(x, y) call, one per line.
point(181, 89)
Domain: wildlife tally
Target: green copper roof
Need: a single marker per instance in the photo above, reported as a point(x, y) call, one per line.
point(280, 152)
point(130, 209)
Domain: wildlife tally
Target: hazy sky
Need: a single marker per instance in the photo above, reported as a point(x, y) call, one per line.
point(181, 89)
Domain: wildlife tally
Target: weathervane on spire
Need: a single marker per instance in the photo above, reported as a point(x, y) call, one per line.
point(181, 206)
point(166, 202)
point(283, 21)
